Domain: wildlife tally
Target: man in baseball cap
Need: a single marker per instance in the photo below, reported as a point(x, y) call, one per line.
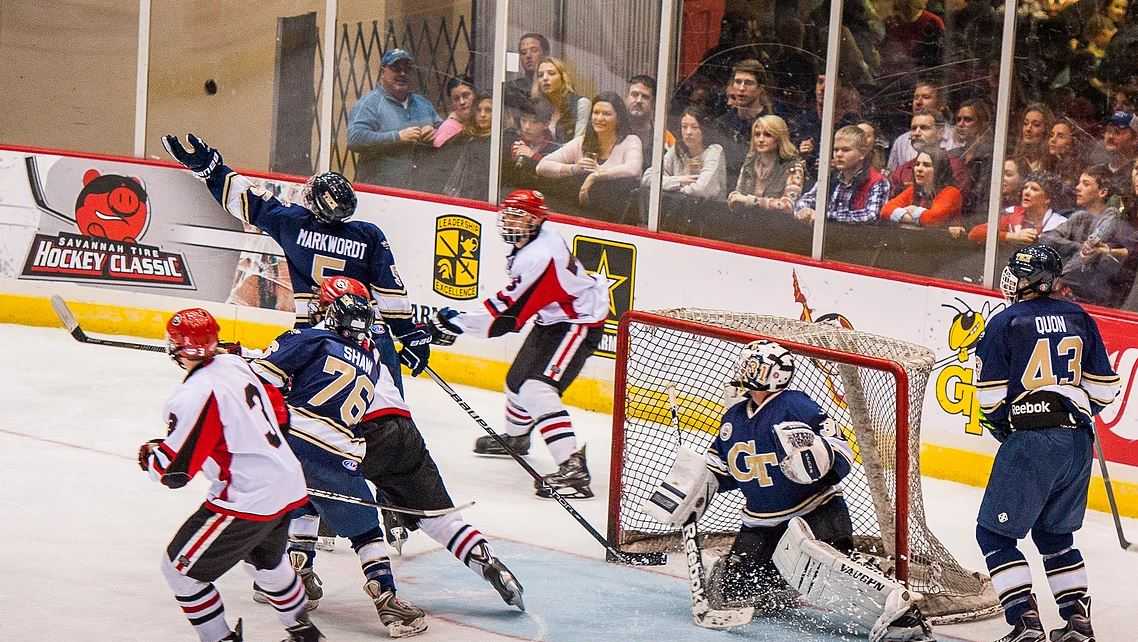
point(1120, 142)
point(387, 124)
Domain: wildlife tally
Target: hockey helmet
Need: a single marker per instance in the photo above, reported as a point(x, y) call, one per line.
point(1031, 269)
point(763, 366)
point(331, 288)
point(330, 197)
point(521, 214)
point(191, 334)
point(351, 316)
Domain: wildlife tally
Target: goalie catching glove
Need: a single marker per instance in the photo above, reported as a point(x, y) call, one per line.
point(805, 457)
point(853, 590)
point(688, 488)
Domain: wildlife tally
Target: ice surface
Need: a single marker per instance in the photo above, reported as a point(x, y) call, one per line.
point(84, 528)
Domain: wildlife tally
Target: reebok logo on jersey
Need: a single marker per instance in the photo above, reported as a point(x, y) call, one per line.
point(1029, 407)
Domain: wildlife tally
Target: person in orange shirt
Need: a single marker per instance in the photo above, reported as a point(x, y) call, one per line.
point(933, 199)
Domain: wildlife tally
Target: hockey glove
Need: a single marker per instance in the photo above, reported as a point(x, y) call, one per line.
point(416, 348)
point(443, 331)
point(807, 456)
point(1001, 430)
point(201, 159)
point(144, 452)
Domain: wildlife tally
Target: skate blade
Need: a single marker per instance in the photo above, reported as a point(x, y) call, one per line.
point(499, 455)
point(399, 630)
point(566, 493)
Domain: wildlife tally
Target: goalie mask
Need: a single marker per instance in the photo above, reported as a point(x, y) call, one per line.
point(1031, 269)
point(763, 366)
point(330, 197)
point(520, 215)
point(191, 334)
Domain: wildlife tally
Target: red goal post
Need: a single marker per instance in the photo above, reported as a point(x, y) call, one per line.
point(874, 398)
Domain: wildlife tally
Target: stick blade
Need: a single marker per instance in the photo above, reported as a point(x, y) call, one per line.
point(65, 316)
point(724, 618)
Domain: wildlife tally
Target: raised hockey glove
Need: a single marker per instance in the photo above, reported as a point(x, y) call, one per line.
point(443, 331)
point(416, 349)
point(144, 452)
point(200, 158)
point(806, 455)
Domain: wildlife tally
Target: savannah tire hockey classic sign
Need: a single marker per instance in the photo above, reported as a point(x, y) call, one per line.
point(74, 257)
point(458, 246)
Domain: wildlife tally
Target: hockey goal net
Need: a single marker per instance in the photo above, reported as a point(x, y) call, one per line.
point(872, 386)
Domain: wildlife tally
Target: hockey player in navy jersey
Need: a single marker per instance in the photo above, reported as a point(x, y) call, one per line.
point(1043, 376)
point(398, 463)
point(331, 374)
point(784, 454)
point(317, 238)
point(569, 307)
point(220, 422)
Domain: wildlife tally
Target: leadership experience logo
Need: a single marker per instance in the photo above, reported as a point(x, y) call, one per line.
point(615, 263)
point(458, 244)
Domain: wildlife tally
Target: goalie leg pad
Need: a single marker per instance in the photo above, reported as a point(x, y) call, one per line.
point(857, 592)
point(688, 488)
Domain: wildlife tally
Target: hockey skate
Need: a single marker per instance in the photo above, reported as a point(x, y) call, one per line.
point(910, 627)
point(1028, 629)
point(235, 635)
point(312, 584)
point(730, 585)
point(401, 618)
point(570, 481)
point(490, 447)
point(394, 531)
point(304, 631)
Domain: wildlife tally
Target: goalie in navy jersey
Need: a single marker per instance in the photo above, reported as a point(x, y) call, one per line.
point(569, 307)
point(330, 375)
point(785, 455)
point(220, 422)
point(317, 238)
point(1043, 374)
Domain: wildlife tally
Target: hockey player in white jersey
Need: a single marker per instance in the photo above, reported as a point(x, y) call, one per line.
point(220, 421)
point(783, 453)
point(569, 307)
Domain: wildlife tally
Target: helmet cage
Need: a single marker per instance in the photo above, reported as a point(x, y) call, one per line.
point(516, 225)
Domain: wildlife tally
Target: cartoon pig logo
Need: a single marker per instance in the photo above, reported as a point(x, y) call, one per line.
point(112, 207)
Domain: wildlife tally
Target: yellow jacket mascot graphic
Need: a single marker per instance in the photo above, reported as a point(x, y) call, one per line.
point(955, 390)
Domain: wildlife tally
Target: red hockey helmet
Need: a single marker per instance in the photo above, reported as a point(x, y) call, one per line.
point(521, 214)
point(332, 288)
point(192, 334)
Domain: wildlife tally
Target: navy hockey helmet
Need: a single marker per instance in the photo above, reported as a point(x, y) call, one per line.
point(191, 334)
point(350, 316)
point(763, 366)
point(1031, 269)
point(330, 197)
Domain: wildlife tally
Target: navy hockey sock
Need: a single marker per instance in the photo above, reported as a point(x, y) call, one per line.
point(302, 540)
point(1011, 576)
point(1066, 573)
point(373, 558)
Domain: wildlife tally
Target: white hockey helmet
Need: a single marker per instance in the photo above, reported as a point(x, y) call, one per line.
point(764, 366)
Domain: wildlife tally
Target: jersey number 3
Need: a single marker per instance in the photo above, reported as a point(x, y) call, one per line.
point(363, 390)
point(1040, 371)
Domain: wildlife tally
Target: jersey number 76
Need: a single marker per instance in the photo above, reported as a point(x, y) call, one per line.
point(363, 390)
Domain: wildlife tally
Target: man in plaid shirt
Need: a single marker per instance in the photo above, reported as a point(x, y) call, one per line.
point(857, 190)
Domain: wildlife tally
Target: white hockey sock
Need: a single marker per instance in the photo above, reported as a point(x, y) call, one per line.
point(200, 602)
point(283, 588)
point(459, 537)
point(518, 421)
point(552, 419)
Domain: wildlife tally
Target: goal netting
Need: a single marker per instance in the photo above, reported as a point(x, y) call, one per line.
point(872, 386)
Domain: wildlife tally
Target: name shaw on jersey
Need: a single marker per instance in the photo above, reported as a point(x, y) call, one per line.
point(329, 243)
point(358, 358)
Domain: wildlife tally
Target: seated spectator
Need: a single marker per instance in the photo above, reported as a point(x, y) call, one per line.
point(878, 154)
point(1119, 148)
point(532, 49)
point(933, 200)
point(1011, 188)
point(565, 113)
point(1097, 243)
point(526, 147)
point(460, 91)
point(857, 191)
point(914, 37)
point(600, 160)
point(927, 130)
point(1024, 223)
point(387, 124)
point(772, 174)
point(927, 97)
point(1064, 160)
point(974, 131)
point(1032, 144)
point(695, 166)
point(641, 104)
point(470, 171)
point(747, 99)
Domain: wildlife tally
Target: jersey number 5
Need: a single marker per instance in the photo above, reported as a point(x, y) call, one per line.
point(323, 266)
point(1040, 371)
point(363, 390)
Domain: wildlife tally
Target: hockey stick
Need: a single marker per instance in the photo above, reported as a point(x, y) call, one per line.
point(613, 552)
point(701, 612)
point(1122, 541)
point(327, 494)
point(72, 326)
